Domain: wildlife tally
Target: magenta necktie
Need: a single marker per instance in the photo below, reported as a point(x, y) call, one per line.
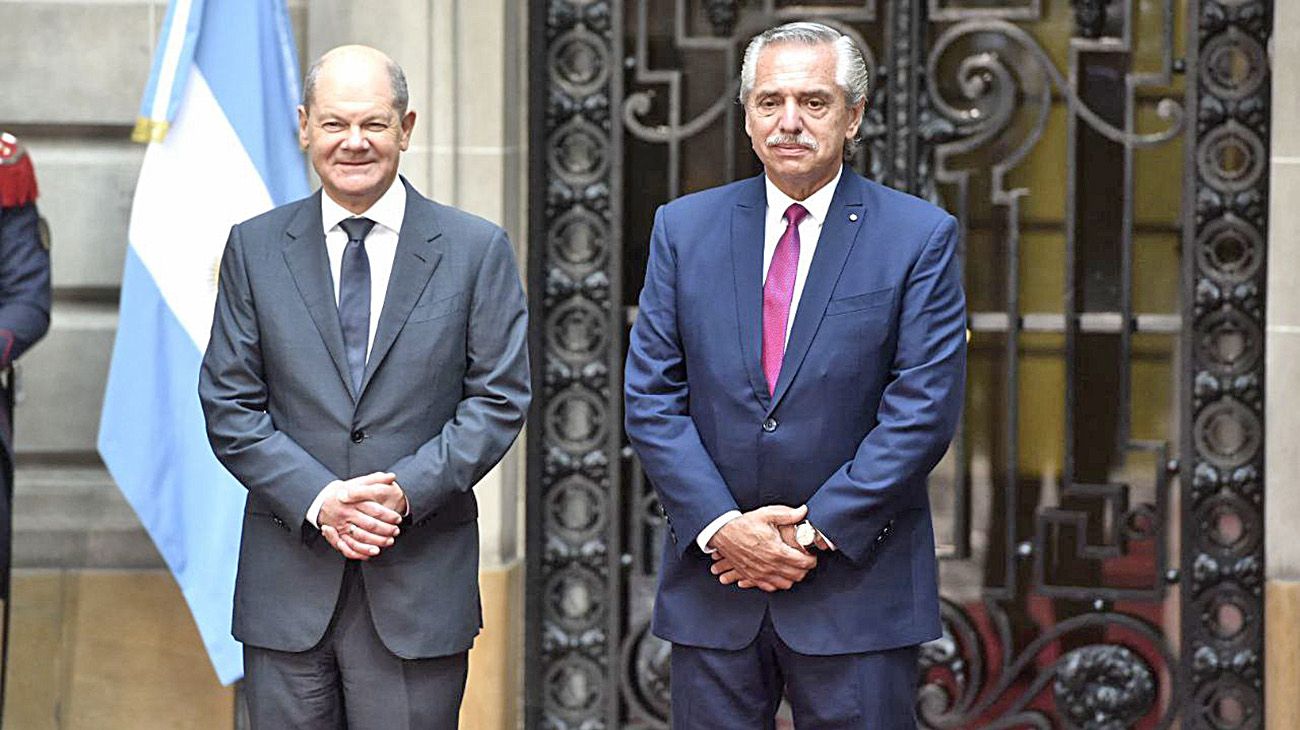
point(778, 290)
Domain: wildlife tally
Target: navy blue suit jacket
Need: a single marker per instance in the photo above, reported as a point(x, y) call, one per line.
point(867, 401)
point(24, 282)
point(24, 294)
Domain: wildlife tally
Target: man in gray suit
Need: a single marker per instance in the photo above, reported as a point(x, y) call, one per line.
point(368, 364)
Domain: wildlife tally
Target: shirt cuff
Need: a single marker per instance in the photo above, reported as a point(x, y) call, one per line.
point(712, 528)
point(313, 512)
point(829, 545)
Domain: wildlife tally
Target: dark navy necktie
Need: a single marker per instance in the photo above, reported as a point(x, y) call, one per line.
point(354, 296)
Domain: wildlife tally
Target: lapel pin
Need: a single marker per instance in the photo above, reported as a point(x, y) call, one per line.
point(853, 216)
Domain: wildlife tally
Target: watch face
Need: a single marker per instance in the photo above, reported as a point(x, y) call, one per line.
point(804, 534)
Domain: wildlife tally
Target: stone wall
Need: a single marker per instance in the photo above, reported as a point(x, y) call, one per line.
point(1282, 380)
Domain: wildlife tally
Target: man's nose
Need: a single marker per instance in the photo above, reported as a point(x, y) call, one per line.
point(355, 140)
point(791, 121)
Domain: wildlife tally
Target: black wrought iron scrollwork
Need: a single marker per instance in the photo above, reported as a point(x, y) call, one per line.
point(1093, 686)
point(1090, 17)
point(993, 95)
point(722, 15)
point(962, 97)
point(572, 569)
point(640, 103)
point(646, 677)
point(1168, 109)
point(1103, 688)
point(952, 666)
point(662, 89)
point(1223, 552)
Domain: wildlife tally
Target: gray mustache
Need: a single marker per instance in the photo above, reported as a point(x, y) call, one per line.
point(803, 139)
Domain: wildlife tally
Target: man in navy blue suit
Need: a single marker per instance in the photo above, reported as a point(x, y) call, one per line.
point(795, 372)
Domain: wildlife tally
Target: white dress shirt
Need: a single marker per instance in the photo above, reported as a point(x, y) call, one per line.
point(810, 231)
point(381, 247)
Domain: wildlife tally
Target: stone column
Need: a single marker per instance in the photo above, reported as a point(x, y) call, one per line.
point(464, 65)
point(1282, 445)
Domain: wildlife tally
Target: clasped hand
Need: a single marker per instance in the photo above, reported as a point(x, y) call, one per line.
point(758, 550)
point(360, 516)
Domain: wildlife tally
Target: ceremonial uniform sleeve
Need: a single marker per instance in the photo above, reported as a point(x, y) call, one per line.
point(24, 282)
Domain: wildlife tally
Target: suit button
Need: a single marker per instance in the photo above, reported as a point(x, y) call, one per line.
point(769, 425)
point(358, 436)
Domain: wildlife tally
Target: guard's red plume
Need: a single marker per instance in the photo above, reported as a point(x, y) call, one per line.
point(17, 182)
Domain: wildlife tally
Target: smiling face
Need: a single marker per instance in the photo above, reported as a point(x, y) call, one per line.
point(797, 117)
point(353, 132)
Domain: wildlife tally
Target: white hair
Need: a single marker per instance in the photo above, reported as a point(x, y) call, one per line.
point(850, 65)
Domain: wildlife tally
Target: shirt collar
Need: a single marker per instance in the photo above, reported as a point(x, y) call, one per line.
point(388, 211)
point(818, 204)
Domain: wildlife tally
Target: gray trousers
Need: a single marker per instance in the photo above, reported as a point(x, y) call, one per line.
point(350, 680)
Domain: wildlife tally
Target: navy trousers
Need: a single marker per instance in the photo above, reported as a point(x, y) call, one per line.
point(713, 689)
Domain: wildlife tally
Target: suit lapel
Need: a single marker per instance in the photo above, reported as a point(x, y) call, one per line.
point(833, 247)
point(413, 263)
point(304, 253)
point(747, 223)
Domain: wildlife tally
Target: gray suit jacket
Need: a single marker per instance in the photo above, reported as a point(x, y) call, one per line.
point(444, 395)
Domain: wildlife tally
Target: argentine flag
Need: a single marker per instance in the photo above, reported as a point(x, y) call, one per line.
point(219, 118)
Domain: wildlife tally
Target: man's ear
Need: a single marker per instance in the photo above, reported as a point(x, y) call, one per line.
point(408, 124)
point(856, 111)
point(302, 126)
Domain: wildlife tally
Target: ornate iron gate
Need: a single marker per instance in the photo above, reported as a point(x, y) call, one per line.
point(1100, 515)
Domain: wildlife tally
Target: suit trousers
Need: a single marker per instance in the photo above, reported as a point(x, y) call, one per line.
point(350, 680)
point(716, 689)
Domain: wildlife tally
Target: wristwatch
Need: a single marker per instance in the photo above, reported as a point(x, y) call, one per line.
point(805, 534)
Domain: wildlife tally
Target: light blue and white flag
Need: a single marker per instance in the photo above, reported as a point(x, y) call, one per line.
point(222, 131)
